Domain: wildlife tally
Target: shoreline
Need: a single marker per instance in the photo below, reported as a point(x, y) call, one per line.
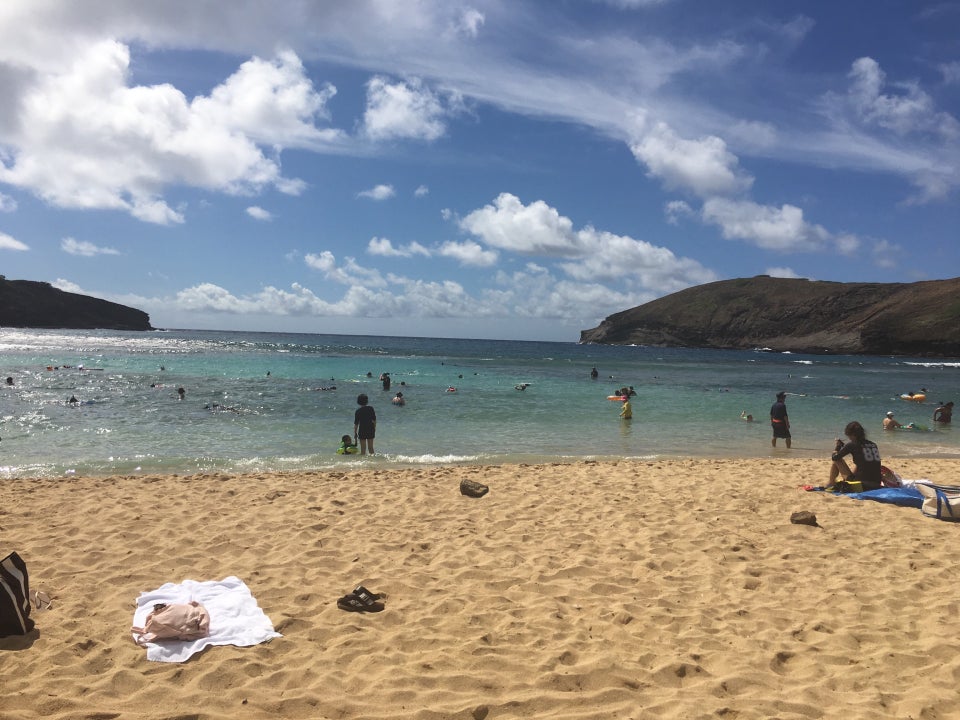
point(384, 462)
point(676, 588)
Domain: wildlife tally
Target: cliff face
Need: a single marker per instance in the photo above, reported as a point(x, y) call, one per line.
point(921, 318)
point(24, 303)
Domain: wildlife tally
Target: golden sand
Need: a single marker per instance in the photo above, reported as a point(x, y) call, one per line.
point(664, 589)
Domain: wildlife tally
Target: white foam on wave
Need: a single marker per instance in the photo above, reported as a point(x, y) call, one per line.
point(933, 364)
point(429, 459)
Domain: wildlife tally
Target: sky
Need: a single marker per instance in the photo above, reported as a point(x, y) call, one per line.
point(511, 169)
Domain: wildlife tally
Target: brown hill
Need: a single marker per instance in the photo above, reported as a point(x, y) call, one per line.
point(25, 303)
point(921, 318)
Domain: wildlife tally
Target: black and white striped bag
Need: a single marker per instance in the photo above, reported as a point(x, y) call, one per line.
point(14, 597)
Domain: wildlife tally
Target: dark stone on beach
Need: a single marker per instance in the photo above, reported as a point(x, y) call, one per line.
point(804, 517)
point(473, 489)
point(480, 712)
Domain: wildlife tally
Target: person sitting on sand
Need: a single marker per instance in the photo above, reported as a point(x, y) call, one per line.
point(889, 423)
point(347, 446)
point(866, 457)
point(944, 413)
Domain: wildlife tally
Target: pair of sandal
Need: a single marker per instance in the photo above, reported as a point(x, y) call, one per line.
point(41, 600)
point(361, 600)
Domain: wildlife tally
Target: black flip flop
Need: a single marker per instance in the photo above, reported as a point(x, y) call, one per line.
point(367, 596)
point(354, 603)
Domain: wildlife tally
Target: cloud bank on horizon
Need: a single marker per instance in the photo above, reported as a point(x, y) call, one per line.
point(481, 168)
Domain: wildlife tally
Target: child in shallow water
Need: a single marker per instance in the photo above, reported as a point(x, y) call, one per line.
point(347, 446)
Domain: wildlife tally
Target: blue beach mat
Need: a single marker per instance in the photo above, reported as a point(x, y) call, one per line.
point(906, 497)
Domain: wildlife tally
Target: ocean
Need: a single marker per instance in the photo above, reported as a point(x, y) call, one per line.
point(258, 402)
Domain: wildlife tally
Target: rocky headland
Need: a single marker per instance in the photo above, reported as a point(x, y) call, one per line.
point(781, 314)
point(31, 304)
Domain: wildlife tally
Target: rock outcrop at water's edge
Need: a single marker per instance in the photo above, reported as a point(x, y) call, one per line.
point(30, 304)
point(920, 318)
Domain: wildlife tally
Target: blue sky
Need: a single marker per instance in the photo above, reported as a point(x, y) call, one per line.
point(491, 168)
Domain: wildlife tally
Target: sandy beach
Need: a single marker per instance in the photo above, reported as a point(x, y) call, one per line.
point(660, 589)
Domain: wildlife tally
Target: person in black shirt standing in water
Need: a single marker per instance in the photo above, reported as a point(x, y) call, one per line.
point(779, 419)
point(364, 424)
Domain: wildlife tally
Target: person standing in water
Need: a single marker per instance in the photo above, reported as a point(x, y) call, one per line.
point(779, 420)
point(364, 424)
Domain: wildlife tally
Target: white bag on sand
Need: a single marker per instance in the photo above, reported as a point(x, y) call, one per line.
point(940, 501)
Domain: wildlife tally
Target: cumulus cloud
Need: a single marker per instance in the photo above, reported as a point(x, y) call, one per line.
point(258, 213)
point(534, 229)
point(406, 109)
point(85, 249)
point(782, 272)
point(379, 192)
point(469, 253)
point(540, 230)
point(9, 243)
point(7, 203)
point(349, 272)
point(775, 228)
point(704, 167)
point(421, 191)
point(675, 210)
point(910, 110)
point(385, 248)
point(83, 137)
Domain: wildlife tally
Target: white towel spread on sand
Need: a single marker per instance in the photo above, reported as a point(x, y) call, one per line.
point(235, 617)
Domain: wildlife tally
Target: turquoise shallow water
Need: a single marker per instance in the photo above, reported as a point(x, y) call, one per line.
point(688, 401)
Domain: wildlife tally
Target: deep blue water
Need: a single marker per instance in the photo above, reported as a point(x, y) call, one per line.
point(129, 419)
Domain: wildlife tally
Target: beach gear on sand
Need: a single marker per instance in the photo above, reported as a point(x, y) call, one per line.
point(361, 600)
point(235, 617)
point(14, 597)
point(940, 501)
point(178, 621)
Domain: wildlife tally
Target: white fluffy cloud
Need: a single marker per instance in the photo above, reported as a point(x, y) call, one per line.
point(534, 229)
point(675, 210)
point(909, 111)
point(408, 110)
point(421, 191)
point(385, 248)
point(9, 243)
point(775, 228)
point(348, 273)
point(469, 253)
point(83, 248)
point(258, 213)
point(540, 230)
point(379, 192)
point(83, 137)
point(782, 272)
point(704, 166)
